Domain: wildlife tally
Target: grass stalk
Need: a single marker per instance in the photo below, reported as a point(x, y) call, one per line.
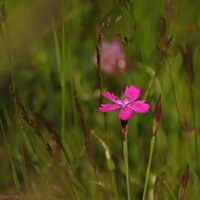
point(22, 163)
point(173, 88)
point(194, 122)
point(110, 164)
point(63, 76)
point(195, 132)
point(170, 190)
point(14, 173)
point(148, 166)
point(87, 140)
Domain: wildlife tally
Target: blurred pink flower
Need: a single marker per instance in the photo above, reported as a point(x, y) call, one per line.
point(128, 105)
point(113, 61)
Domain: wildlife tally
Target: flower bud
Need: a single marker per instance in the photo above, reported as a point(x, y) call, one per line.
point(184, 182)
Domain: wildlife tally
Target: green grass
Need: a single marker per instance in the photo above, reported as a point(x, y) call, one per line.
point(69, 150)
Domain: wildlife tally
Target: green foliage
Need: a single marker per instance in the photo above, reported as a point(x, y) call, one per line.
point(47, 50)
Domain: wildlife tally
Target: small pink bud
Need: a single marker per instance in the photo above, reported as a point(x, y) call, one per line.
point(184, 181)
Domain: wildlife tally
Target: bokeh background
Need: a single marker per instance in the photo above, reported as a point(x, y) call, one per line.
point(48, 56)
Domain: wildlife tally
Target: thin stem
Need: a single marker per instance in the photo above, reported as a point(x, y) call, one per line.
point(176, 102)
point(149, 166)
point(194, 122)
point(110, 163)
point(8, 147)
point(125, 151)
point(63, 76)
point(195, 132)
point(170, 190)
point(170, 64)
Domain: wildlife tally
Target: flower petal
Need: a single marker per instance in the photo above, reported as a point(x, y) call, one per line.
point(125, 113)
point(139, 106)
point(112, 97)
point(108, 107)
point(131, 93)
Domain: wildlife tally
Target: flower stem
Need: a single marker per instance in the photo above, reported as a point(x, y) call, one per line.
point(149, 166)
point(125, 151)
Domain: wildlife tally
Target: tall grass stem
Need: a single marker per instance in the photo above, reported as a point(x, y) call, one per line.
point(195, 132)
point(9, 149)
point(170, 64)
point(148, 166)
point(63, 76)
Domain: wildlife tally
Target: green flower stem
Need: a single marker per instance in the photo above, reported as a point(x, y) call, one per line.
point(125, 151)
point(149, 166)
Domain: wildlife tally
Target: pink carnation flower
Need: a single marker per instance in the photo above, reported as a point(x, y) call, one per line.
point(113, 60)
point(127, 106)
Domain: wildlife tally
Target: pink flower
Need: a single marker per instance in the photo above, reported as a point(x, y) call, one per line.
point(128, 105)
point(113, 61)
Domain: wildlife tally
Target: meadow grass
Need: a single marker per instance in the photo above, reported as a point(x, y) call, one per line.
point(55, 144)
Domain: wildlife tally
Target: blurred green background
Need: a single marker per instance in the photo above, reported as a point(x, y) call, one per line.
point(47, 50)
